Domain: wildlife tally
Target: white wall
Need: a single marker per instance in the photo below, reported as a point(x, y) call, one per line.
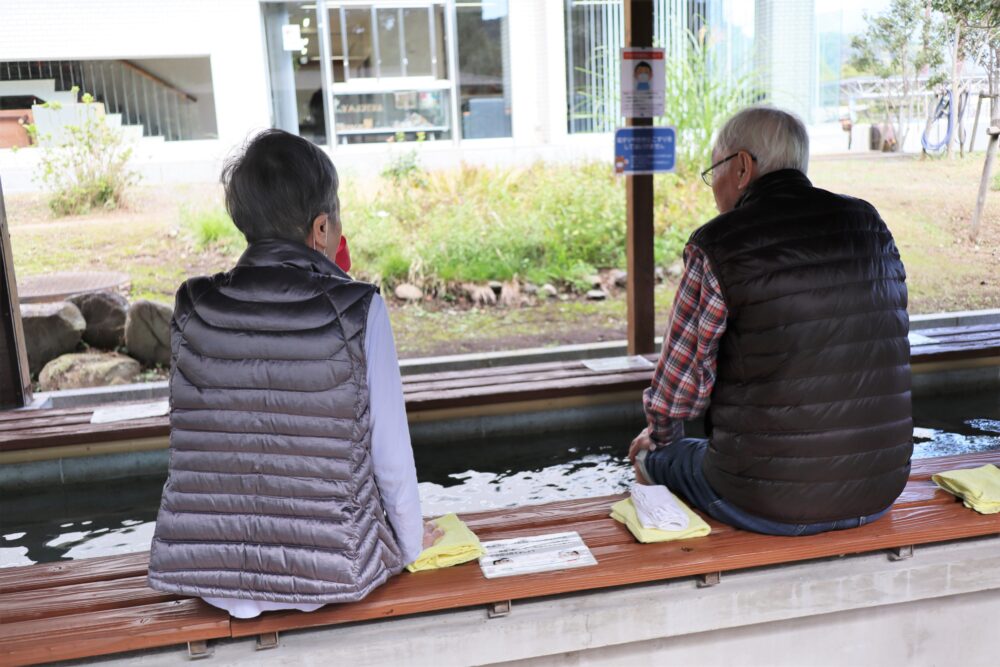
point(227, 31)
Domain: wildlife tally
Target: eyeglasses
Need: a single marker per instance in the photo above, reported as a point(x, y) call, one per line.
point(707, 174)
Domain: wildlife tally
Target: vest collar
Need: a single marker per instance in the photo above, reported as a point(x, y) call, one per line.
point(282, 252)
point(773, 183)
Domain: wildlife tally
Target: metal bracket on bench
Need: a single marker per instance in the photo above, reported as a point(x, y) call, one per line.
point(710, 579)
point(267, 640)
point(498, 609)
point(901, 553)
point(199, 649)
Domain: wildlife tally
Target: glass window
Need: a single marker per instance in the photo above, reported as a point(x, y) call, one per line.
point(360, 46)
point(484, 69)
point(294, 64)
point(390, 37)
point(417, 30)
point(406, 115)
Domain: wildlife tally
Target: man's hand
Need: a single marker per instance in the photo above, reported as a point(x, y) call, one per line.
point(431, 534)
point(641, 442)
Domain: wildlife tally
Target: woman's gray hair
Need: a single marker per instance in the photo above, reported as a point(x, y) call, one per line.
point(777, 138)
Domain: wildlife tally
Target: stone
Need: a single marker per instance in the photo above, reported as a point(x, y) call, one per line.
point(408, 292)
point(147, 332)
point(597, 295)
point(50, 329)
point(510, 294)
point(530, 289)
point(88, 369)
point(105, 314)
point(549, 291)
point(496, 286)
point(618, 277)
point(479, 295)
point(595, 281)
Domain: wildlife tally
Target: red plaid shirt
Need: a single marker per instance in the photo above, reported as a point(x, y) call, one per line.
point(685, 375)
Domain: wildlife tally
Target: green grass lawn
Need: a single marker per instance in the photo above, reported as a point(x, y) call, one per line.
point(537, 223)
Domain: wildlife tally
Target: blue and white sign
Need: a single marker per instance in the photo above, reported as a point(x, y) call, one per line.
point(645, 150)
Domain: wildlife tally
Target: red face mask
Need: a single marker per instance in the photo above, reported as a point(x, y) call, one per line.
point(343, 258)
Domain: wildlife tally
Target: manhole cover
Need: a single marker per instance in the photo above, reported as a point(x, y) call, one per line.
point(58, 286)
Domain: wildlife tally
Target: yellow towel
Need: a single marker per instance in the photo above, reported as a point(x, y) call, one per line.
point(624, 512)
point(457, 545)
point(978, 487)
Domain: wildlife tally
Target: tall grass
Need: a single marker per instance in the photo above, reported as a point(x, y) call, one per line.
point(542, 223)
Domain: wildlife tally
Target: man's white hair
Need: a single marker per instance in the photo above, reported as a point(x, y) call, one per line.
point(777, 138)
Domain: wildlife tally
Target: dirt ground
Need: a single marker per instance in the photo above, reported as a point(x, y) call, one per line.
point(926, 203)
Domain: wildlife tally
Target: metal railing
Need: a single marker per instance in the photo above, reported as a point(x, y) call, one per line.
point(139, 96)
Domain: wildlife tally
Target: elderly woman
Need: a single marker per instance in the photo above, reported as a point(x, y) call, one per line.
point(291, 481)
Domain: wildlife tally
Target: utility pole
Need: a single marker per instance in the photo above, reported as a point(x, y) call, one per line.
point(639, 194)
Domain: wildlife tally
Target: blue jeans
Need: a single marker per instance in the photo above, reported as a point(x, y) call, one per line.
point(678, 467)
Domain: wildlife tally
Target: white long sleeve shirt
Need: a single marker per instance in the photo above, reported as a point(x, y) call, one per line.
point(392, 455)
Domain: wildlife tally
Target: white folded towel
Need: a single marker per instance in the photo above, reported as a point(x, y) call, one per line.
point(657, 508)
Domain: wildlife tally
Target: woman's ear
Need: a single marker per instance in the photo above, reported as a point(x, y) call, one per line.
point(319, 232)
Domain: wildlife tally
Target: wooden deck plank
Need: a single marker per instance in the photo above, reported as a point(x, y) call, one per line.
point(631, 563)
point(64, 573)
point(79, 598)
point(110, 631)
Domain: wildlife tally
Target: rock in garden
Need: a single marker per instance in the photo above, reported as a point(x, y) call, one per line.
point(50, 329)
point(105, 314)
point(597, 295)
point(530, 289)
point(618, 277)
point(496, 286)
point(510, 294)
point(549, 291)
point(88, 369)
point(408, 292)
point(595, 281)
point(480, 295)
point(147, 332)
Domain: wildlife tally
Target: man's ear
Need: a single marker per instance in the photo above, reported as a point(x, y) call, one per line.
point(746, 173)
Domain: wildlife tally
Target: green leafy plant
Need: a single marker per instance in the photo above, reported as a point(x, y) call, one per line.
point(700, 97)
point(212, 228)
point(88, 166)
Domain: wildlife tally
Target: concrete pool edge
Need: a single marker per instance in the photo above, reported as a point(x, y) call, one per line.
point(153, 390)
point(863, 609)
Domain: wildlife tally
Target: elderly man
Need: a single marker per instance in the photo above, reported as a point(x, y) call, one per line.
point(790, 328)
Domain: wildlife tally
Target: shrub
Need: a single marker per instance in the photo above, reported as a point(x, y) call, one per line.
point(543, 223)
point(212, 227)
point(89, 167)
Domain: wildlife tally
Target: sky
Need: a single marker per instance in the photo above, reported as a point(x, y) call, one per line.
point(853, 11)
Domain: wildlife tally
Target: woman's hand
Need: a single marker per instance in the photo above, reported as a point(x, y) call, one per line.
point(431, 534)
point(641, 442)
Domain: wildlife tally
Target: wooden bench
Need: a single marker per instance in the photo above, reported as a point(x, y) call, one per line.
point(99, 606)
point(454, 394)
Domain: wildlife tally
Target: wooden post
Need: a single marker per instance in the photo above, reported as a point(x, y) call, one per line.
point(639, 194)
point(984, 183)
point(15, 381)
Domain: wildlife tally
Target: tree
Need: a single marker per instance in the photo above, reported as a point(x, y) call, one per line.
point(900, 46)
point(968, 33)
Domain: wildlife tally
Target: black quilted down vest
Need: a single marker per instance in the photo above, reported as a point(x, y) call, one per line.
point(271, 493)
point(810, 418)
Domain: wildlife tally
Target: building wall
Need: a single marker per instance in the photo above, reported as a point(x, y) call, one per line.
point(785, 35)
point(227, 31)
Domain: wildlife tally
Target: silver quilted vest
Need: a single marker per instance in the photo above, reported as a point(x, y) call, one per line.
point(271, 494)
